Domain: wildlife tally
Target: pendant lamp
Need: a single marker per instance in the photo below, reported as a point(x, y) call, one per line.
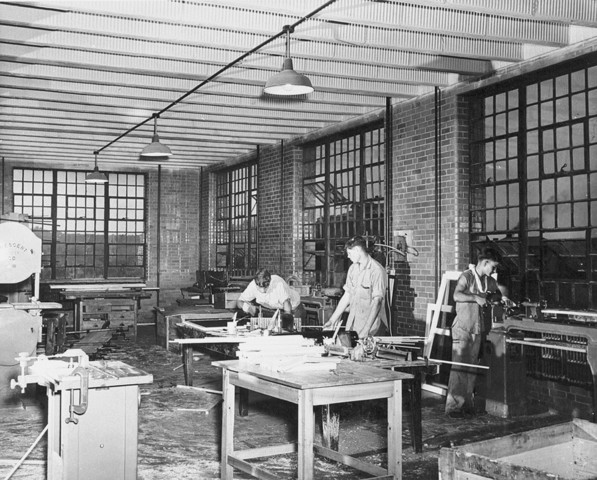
point(96, 176)
point(288, 82)
point(155, 148)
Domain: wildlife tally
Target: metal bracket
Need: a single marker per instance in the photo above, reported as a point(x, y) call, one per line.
point(81, 408)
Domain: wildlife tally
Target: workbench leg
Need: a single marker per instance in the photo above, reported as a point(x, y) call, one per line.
point(187, 364)
point(136, 317)
point(395, 432)
point(243, 402)
point(227, 425)
point(416, 428)
point(330, 427)
point(306, 430)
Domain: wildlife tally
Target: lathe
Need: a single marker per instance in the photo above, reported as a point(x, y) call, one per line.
point(92, 414)
point(557, 345)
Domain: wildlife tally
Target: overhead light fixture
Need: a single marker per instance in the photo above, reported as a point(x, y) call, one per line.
point(155, 148)
point(288, 82)
point(96, 176)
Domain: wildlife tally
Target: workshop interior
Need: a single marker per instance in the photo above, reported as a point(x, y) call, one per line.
point(183, 189)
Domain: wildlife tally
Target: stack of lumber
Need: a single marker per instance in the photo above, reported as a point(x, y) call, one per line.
point(283, 353)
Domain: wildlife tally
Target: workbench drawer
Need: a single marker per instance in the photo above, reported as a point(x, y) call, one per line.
point(122, 316)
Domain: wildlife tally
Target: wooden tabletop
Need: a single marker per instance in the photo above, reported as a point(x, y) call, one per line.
point(347, 372)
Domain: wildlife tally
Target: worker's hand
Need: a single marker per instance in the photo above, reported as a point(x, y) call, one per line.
point(363, 333)
point(330, 324)
point(250, 309)
point(481, 299)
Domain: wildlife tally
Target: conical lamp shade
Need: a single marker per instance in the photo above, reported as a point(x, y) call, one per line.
point(156, 149)
point(288, 82)
point(96, 176)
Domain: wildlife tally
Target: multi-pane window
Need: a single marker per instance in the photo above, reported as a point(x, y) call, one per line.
point(88, 231)
point(343, 187)
point(534, 184)
point(236, 219)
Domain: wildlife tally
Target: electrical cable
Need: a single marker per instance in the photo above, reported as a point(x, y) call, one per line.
point(220, 71)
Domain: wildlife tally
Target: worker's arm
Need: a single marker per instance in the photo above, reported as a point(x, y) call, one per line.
point(246, 307)
point(462, 295)
point(336, 317)
point(287, 307)
point(376, 306)
point(245, 299)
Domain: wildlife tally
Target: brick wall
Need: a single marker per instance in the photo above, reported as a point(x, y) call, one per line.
point(414, 202)
point(178, 230)
point(279, 209)
point(570, 400)
point(206, 237)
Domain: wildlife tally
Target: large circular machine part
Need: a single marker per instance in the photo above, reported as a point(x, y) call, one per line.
point(20, 332)
point(20, 252)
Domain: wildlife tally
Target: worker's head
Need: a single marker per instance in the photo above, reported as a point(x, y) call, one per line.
point(488, 260)
point(262, 279)
point(356, 249)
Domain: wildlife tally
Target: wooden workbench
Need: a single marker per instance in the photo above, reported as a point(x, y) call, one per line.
point(419, 369)
point(96, 300)
point(350, 382)
point(166, 319)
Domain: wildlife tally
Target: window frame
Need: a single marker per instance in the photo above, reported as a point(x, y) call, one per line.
point(343, 196)
point(90, 232)
point(542, 185)
point(236, 228)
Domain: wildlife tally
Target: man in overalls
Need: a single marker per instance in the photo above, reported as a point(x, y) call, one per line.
point(475, 289)
point(364, 293)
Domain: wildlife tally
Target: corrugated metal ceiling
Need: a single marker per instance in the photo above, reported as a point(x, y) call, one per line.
point(78, 74)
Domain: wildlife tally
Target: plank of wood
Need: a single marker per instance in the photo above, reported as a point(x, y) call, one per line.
point(199, 389)
point(99, 337)
point(208, 340)
point(434, 311)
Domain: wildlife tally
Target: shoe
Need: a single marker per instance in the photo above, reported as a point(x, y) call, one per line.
point(455, 414)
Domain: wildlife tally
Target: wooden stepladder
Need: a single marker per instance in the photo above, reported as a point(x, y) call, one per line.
point(438, 344)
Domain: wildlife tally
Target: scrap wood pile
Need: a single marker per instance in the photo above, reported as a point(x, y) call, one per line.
point(284, 353)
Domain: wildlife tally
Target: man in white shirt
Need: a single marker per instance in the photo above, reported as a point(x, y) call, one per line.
point(272, 293)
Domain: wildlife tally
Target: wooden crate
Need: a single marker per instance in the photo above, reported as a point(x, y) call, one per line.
point(565, 451)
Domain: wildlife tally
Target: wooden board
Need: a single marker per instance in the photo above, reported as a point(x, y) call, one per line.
point(437, 331)
point(93, 341)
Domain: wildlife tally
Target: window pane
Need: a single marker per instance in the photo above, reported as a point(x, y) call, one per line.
point(77, 228)
point(558, 181)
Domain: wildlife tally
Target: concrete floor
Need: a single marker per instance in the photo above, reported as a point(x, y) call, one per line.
point(178, 440)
